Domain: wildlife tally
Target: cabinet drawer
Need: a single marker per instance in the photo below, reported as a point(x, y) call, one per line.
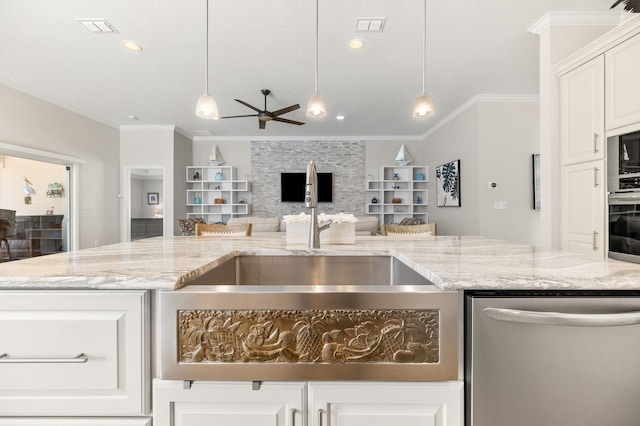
point(77, 421)
point(72, 353)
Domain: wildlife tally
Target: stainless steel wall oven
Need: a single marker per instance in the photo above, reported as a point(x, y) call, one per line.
point(624, 226)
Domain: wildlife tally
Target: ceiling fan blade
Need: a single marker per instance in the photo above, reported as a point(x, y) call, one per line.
point(262, 124)
point(284, 120)
point(238, 116)
point(247, 105)
point(285, 110)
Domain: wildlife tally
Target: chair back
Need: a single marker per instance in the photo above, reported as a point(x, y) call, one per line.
point(221, 230)
point(408, 231)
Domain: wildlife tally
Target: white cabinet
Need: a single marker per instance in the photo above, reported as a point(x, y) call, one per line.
point(400, 193)
point(312, 404)
point(383, 404)
point(73, 353)
point(583, 207)
point(228, 403)
point(214, 194)
point(75, 421)
point(623, 84)
point(582, 113)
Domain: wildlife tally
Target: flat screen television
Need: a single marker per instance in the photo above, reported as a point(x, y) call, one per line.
point(292, 187)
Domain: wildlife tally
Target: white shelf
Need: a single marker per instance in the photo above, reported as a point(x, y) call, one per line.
point(409, 183)
point(206, 184)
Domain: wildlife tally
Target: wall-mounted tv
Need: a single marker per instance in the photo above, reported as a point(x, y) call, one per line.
point(292, 187)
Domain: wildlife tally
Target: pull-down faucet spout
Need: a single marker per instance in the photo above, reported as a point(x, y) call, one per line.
point(311, 201)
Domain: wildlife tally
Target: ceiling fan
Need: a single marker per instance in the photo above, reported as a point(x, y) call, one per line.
point(265, 115)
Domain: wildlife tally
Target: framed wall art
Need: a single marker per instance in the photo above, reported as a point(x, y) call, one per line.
point(448, 184)
point(152, 198)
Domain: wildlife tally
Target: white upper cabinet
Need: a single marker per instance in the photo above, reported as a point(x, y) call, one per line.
point(623, 84)
point(582, 112)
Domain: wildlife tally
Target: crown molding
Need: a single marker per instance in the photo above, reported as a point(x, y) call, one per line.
point(584, 19)
point(305, 138)
point(155, 127)
point(476, 99)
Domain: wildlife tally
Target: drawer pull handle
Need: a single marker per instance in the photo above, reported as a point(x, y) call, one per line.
point(78, 359)
point(563, 318)
point(595, 143)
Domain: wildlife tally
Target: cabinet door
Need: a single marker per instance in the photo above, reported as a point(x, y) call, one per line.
point(383, 404)
point(583, 207)
point(73, 353)
point(582, 113)
point(228, 403)
point(623, 84)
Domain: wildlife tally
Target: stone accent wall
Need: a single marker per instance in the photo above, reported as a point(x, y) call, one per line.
point(345, 159)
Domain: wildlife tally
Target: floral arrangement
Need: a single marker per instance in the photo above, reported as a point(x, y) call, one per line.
point(322, 217)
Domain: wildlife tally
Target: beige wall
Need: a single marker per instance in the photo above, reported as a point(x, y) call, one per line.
point(494, 141)
point(31, 123)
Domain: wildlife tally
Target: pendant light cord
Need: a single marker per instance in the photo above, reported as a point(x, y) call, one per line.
point(206, 63)
point(317, 20)
point(424, 48)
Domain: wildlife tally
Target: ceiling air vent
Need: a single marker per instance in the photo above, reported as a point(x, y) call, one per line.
point(370, 24)
point(203, 133)
point(97, 25)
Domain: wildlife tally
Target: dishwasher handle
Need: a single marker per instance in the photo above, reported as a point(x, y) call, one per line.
point(563, 318)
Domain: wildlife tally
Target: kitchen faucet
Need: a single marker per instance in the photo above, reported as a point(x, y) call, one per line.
point(311, 201)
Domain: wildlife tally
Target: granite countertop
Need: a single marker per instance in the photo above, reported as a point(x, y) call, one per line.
point(452, 263)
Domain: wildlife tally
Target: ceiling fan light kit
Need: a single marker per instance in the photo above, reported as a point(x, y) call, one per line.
point(206, 106)
point(423, 106)
point(316, 108)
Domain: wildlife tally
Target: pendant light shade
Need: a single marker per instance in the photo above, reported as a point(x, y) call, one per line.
point(423, 106)
point(206, 106)
point(316, 107)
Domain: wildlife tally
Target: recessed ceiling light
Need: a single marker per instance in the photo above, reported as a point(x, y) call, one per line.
point(135, 47)
point(339, 117)
point(356, 43)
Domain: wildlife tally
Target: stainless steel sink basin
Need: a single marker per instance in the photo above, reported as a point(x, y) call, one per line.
point(312, 270)
point(309, 317)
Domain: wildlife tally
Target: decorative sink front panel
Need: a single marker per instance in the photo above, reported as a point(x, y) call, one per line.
point(310, 336)
point(223, 327)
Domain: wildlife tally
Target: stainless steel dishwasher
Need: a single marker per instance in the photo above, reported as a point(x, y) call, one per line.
point(552, 359)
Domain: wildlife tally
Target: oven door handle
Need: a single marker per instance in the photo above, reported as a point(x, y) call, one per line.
point(562, 318)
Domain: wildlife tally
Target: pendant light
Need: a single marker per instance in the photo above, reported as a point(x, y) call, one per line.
point(316, 107)
point(423, 106)
point(206, 106)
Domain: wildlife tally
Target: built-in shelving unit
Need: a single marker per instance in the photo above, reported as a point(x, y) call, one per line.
point(213, 193)
point(400, 193)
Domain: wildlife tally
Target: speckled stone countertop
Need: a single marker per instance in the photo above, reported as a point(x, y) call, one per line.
point(452, 263)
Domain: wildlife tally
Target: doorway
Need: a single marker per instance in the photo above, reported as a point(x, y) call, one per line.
point(54, 178)
point(143, 202)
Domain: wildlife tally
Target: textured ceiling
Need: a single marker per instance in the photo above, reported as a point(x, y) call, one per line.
point(473, 47)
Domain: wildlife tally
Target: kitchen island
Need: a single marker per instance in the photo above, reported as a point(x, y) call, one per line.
point(451, 263)
point(105, 344)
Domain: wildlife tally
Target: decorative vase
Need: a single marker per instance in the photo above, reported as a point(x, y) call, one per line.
point(219, 176)
point(197, 200)
point(374, 200)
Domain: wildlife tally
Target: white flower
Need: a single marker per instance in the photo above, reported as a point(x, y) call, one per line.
point(322, 217)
